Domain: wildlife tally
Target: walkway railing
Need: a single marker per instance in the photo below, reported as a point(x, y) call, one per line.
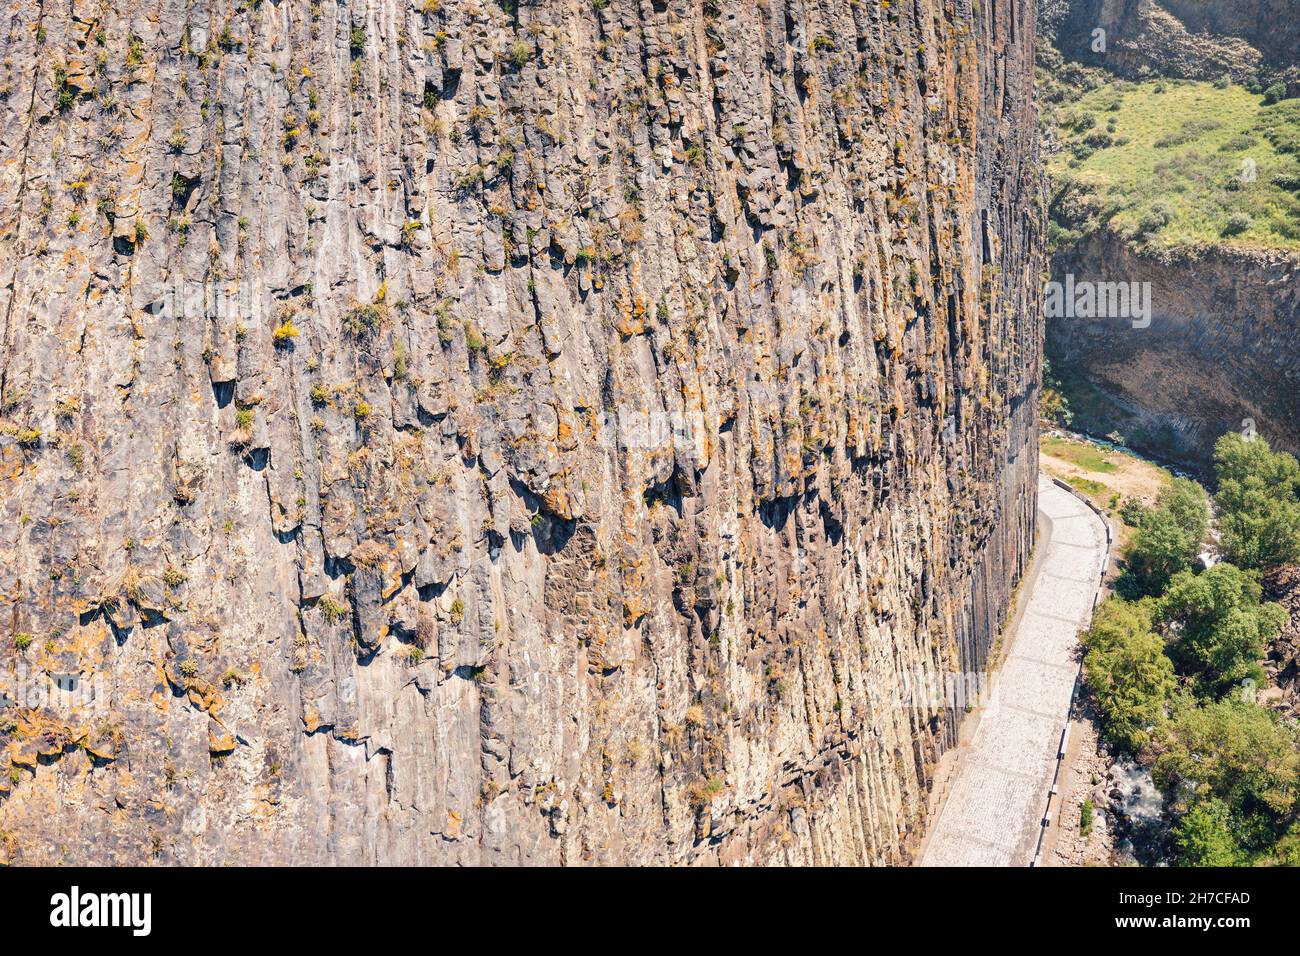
point(1054, 792)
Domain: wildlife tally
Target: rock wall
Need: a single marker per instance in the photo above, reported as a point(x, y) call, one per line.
point(1250, 40)
point(451, 432)
point(1220, 348)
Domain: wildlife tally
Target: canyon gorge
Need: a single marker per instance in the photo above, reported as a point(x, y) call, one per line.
point(1204, 209)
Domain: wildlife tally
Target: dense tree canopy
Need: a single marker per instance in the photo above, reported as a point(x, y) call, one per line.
point(1170, 535)
point(1127, 668)
point(1204, 836)
point(1219, 625)
point(1169, 667)
point(1234, 768)
point(1288, 848)
point(1258, 502)
point(1232, 749)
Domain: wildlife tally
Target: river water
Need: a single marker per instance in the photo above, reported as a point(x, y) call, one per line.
point(1136, 815)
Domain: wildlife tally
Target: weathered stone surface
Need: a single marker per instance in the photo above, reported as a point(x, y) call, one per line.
point(1218, 354)
point(1249, 40)
point(451, 435)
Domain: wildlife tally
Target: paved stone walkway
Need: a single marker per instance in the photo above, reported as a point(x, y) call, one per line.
point(994, 809)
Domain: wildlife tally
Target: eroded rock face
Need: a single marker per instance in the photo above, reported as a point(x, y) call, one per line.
point(448, 435)
point(1219, 354)
point(1249, 40)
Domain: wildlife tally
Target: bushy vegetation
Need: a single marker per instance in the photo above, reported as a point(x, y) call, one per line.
point(1174, 664)
point(1128, 670)
point(1229, 767)
point(1258, 501)
point(1218, 626)
point(1204, 837)
point(1176, 163)
point(1054, 406)
point(1169, 536)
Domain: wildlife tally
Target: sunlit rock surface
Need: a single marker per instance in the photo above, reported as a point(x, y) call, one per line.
point(441, 434)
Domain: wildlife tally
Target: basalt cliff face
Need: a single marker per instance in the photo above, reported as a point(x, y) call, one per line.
point(1219, 354)
point(439, 432)
point(1192, 39)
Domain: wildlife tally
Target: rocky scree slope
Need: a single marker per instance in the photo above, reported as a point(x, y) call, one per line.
point(442, 433)
point(1252, 41)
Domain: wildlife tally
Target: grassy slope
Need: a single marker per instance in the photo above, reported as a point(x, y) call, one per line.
point(1090, 457)
point(1179, 146)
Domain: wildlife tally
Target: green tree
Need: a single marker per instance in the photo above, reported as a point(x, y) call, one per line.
point(1258, 502)
point(1170, 535)
point(1127, 669)
point(1187, 501)
point(1234, 750)
point(1287, 852)
point(1204, 836)
point(1219, 625)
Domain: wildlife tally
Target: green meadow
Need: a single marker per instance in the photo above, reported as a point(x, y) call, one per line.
point(1178, 163)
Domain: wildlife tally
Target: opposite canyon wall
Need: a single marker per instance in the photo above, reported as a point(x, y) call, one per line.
point(1219, 354)
point(446, 433)
point(1191, 39)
